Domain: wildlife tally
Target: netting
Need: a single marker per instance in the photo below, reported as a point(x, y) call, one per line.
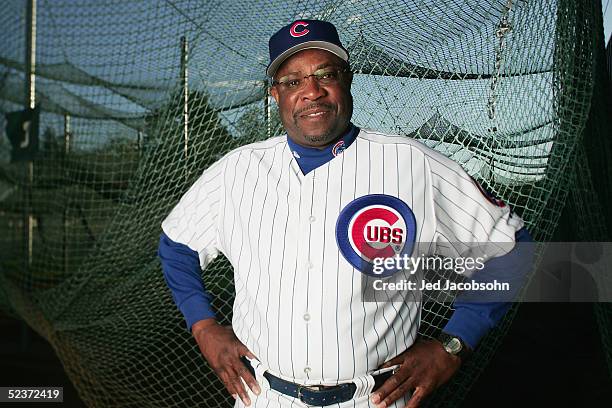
point(503, 87)
point(593, 217)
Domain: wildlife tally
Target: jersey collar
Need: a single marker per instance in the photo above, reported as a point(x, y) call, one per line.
point(309, 158)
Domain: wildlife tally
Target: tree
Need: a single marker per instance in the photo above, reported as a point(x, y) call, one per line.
point(208, 139)
point(51, 145)
point(252, 125)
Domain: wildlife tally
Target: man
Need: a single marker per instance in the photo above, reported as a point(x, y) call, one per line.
point(295, 215)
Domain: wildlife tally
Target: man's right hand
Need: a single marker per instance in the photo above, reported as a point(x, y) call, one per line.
point(222, 349)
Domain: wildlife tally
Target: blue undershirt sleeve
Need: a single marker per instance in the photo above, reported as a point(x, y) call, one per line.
point(472, 320)
point(181, 267)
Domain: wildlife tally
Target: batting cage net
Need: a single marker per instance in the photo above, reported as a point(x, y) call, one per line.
point(137, 98)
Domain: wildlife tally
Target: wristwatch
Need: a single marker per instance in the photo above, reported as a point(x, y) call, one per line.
point(455, 346)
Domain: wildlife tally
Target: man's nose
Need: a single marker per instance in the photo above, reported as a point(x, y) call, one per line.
point(312, 89)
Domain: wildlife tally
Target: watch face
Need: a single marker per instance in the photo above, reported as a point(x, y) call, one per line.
point(453, 346)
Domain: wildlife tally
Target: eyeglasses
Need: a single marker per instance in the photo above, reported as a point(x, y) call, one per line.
point(324, 76)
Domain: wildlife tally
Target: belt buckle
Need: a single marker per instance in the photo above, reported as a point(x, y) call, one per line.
point(308, 387)
point(316, 388)
point(301, 396)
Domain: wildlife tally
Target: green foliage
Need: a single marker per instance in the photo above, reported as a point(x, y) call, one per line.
point(253, 124)
point(50, 143)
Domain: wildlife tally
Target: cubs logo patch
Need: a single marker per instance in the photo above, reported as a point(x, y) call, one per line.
point(375, 226)
point(338, 148)
point(489, 196)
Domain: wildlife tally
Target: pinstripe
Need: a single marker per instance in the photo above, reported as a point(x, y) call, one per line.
point(278, 325)
point(222, 243)
point(376, 303)
point(468, 215)
point(397, 178)
point(462, 227)
point(239, 258)
point(269, 258)
point(493, 217)
point(493, 226)
point(322, 272)
point(365, 339)
point(299, 206)
point(476, 220)
point(231, 239)
point(338, 289)
point(258, 242)
point(457, 251)
point(451, 169)
point(428, 195)
point(397, 313)
point(314, 173)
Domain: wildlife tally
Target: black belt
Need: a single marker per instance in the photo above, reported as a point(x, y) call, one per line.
point(321, 397)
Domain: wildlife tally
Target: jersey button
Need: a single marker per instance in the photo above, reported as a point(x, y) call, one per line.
point(306, 316)
point(307, 370)
point(312, 218)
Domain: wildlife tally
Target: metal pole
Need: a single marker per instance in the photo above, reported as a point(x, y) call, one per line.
point(185, 88)
point(30, 97)
point(139, 143)
point(30, 101)
point(30, 57)
point(66, 133)
point(65, 216)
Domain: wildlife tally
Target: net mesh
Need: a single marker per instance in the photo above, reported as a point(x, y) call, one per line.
point(503, 87)
point(591, 193)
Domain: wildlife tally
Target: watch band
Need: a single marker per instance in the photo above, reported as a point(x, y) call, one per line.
point(455, 345)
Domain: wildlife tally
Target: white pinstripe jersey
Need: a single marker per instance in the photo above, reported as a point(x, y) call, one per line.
point(297, 305)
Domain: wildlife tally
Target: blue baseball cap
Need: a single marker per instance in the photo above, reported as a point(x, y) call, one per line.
point(301, 35)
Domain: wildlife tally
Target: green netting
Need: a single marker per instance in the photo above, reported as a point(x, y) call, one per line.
point(503, 87)
point(592, 190)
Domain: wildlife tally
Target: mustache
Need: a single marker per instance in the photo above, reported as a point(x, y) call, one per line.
point(327, 106)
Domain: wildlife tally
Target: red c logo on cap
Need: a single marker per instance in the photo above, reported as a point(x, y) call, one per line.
point(298, 33)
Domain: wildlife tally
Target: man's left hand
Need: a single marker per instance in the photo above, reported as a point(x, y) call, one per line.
point(423, 368)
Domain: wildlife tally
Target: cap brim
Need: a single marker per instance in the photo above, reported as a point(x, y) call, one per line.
point(321, 45)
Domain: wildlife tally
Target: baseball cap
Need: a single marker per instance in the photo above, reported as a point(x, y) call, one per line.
point(302, 35)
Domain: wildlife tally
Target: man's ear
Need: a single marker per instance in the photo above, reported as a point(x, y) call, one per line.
point(274, 93)
point(349, 80)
